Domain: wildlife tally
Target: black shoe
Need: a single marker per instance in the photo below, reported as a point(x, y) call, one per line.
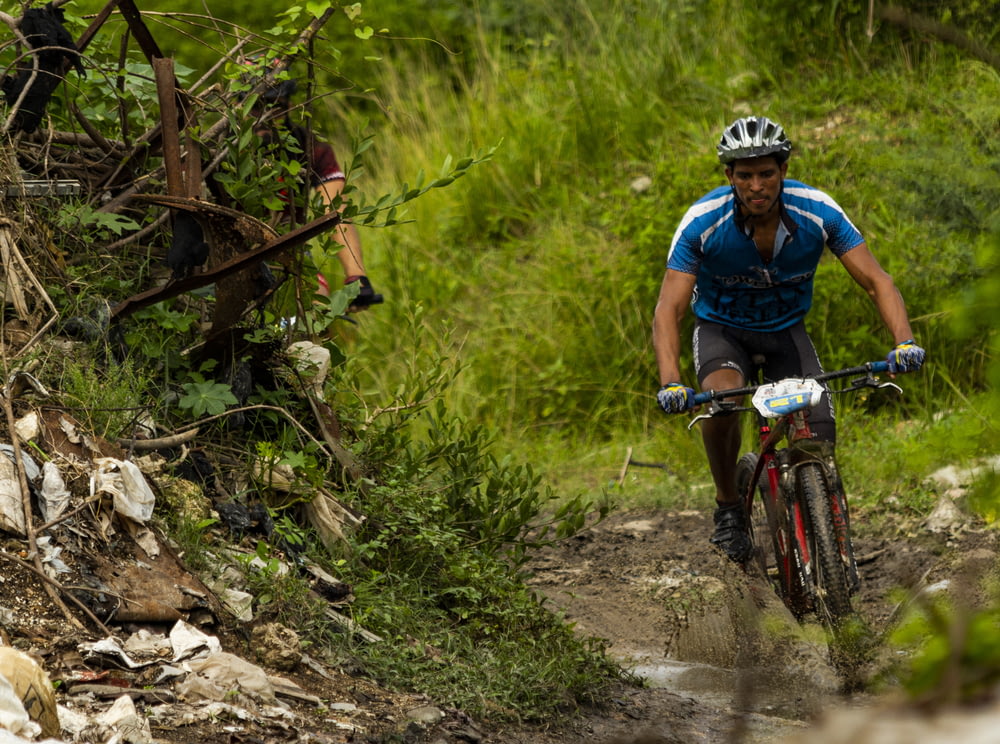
point(731, 532)
point(366, 295)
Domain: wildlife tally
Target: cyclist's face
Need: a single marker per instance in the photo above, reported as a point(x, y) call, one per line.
point(757, 182)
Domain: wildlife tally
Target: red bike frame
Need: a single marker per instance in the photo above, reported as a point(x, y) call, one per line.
point(783, 474)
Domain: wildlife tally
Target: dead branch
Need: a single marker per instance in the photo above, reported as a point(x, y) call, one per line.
point(275, 409)
point(947, 33)
point(146, 445)
point(241, 262)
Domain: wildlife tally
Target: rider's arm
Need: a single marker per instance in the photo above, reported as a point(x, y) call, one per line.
point(344, 234)
point(866, 271)
point(675, 296)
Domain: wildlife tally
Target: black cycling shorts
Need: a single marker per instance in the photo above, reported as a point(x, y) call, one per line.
point(776, 355)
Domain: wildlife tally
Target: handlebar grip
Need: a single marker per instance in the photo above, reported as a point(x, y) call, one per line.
point(702, 398)
point(881, 366)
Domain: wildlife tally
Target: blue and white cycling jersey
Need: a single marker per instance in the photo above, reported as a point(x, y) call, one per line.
point(734, 285)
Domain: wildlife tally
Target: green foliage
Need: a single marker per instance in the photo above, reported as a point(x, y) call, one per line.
point(193, 536)
point(953, 653)
point(153, 335)
point(574, 263)
point(107, 406)
point(82, 218)
point(980, 306)
point(448, 523)
point(206, 398)
point(283, 595)
point(255, 175)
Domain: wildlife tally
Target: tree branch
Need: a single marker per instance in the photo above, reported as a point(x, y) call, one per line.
point(949, 34)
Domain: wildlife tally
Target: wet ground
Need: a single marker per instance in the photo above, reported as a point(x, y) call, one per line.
point(722, 659)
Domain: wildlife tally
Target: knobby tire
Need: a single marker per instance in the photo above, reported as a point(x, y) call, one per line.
point(829, 570)
point(769, 534)
point(761, 521)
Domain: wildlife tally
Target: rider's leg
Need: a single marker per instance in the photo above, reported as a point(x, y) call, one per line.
point(721, 436)
point(720, 361)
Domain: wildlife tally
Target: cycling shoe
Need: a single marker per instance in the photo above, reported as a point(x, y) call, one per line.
point(731, 534)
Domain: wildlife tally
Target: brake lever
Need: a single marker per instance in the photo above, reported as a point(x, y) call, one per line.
point(717, 408)
point(894, 386)
point(870, 381)
point(696, 419)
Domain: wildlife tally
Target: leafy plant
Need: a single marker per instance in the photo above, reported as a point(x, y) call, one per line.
point(107, 407)
point(952, 653)
point(206, 398)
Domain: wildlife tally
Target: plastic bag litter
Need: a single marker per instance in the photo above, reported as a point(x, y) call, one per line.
point(133, 498)
point(11, 504)
point(30, 466)
point(11, 499)
point(187, 640)
point(51, 562)
point(312, 363)
point(24, 682)
point(109, 647)
point(27, 427)
point(221, 675)
point(13, 717)
point(54, 496)
point(123, 720)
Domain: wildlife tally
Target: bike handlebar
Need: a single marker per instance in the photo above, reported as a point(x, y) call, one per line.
point(869, 368)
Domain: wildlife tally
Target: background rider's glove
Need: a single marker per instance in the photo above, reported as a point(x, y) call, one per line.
point(905, 357)
point(675, 398)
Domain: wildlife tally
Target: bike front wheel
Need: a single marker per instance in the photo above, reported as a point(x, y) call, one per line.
point(774, 548)
point(829, 573)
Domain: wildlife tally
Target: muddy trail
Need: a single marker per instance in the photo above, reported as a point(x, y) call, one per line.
point(714, 656)
point(689, 623)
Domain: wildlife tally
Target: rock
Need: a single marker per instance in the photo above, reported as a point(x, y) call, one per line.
point(947, 517)
point(276, 646)
point(426, 714)
point(641, 185)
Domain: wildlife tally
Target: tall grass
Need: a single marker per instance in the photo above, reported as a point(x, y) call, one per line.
point(540, 269)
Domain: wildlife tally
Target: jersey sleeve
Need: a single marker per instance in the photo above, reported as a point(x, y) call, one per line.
point(815, 207)
point(685, 249)
point(325, 166)
point(842, 235)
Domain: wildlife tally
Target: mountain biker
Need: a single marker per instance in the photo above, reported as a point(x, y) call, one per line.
point(744, 257)
point(326, 178)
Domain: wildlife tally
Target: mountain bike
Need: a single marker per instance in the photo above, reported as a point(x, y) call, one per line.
point(792, 493)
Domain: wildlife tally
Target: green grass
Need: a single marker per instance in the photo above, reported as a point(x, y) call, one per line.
point(519, 299)
point(543, 266)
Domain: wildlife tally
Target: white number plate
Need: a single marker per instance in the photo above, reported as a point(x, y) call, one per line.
point(786, 396)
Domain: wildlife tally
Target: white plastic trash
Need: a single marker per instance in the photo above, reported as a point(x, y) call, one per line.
point(54, 496)
point(133, 498)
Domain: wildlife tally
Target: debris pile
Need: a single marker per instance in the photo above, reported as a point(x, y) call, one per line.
point(105, 635)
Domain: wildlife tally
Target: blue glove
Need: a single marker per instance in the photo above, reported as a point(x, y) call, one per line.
point(905, 357)
point(675, 398)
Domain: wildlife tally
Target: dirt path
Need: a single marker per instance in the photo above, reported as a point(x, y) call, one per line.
point(651, 585)
point(668, 605)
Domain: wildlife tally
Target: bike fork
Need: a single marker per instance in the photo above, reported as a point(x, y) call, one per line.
point(823, 453)
point(842, 526)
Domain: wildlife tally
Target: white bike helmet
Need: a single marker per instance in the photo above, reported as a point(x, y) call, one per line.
point(753, 137)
